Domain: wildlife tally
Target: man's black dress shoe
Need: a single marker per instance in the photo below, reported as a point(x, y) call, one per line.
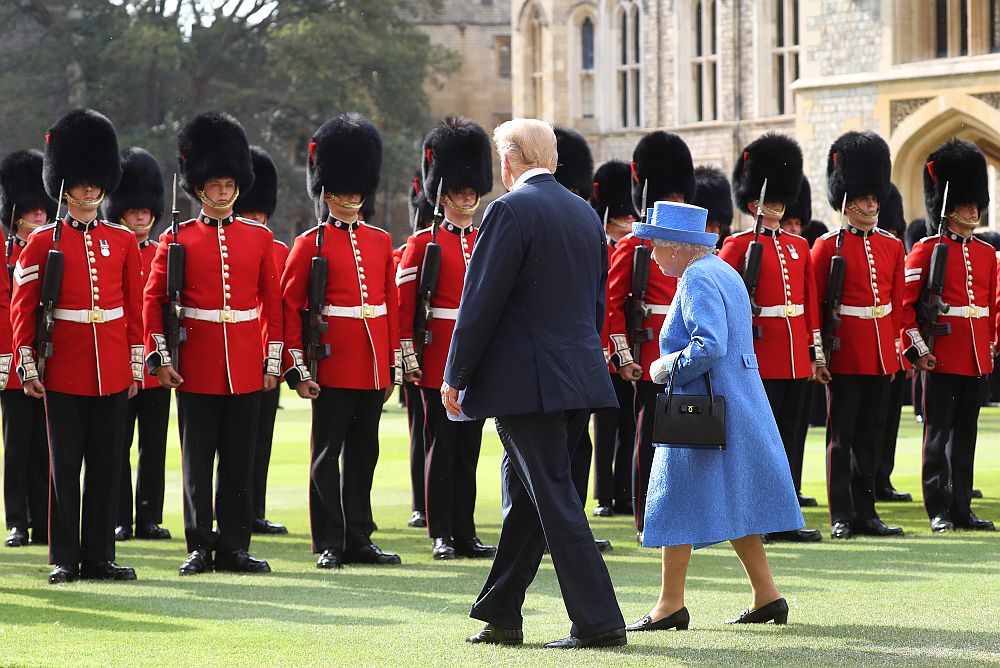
point(418, 520)
point(330, 559)
point(152, 532)
point(797, 536)
point(876, 527)
point(123, 532)
point(17, 537)
point(942, 524)
point(106, 570)
point(679, 620)
point(970, 522)
point(198, 562)
point(775, 611)
point(892, 495)
point(603, 545)
point(494, 635)
point(265, 526)
point(615, 638)
point(473, 548)
point(604, 510)
point(62, 574)
point(443, 549)
point(977, 493)
point(806, 501)
point(239, 561)
point(841, 530)
point(371, 554)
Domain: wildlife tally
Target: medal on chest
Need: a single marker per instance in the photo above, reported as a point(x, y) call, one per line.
point(105, 249)
point(794, 254)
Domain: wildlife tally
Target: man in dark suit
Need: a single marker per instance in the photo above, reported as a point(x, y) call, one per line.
point(527, 351)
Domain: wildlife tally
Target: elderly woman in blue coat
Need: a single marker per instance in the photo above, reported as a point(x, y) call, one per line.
point(699, 497)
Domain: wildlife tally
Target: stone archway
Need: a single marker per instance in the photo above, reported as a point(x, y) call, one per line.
point(943, 117)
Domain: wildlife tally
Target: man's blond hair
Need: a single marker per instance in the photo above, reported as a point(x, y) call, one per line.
point(527, 143)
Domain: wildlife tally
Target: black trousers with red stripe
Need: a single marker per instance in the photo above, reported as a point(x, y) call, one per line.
point(25, 463)
point(151, 409)
point(642, 461)
point(262, 452)
point(887, 461)
point(951, 416)
point(452, 460)
point(787, 398)
point(417, 428)
point(855, 427)
point(614, 443)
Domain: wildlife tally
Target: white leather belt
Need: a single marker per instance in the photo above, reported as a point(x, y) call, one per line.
point(87, 316)
point(867, 312)
point(445, 313)
point(968, 312)
point(657, 309)
point(219, 315)
point(357, 312)
point(782, 311)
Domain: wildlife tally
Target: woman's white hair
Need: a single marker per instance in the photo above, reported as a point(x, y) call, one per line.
point(527, 143)
point(683, 246)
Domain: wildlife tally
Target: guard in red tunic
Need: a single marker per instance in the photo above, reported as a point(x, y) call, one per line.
point(662, 168)
point(954, 346)
point(361, 311)
point(96, 337)
point(614, 428)
point(230, 304)
point(457, 154)
point(786, 313)
point(138, 204)
point(24, 206)
point(862, 366)
point(258, 204)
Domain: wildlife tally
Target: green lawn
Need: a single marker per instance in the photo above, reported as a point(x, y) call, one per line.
point(921, 600)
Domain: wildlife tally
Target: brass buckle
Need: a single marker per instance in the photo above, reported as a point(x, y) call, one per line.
point(878, 312)
point(367, 311)
point(789, 310)
point(95, 315)
point(227, 315)
point(972, 312)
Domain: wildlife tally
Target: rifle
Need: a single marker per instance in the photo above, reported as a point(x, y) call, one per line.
point(429, 272)
point(51, 287)
point(834, 291)
point(313, 324)
point(931, 305)
point(173, 312)
point(636, 310)
point(755, 255)
point(10, 247)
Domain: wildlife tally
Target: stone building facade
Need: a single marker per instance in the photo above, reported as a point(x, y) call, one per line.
point(722, 72)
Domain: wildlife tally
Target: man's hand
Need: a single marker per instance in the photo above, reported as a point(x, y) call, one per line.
point(449, 397)
point(821, 374)
point(630, 372)
point(270, 382)
point(133, 390)
point(34, 388)
point(388, 392)
point(307, 389)
point(414, 376)
point(926, 362)
point(168, 377)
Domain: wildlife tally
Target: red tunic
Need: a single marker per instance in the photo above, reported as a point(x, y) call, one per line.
point(970, 289)
point(228, 266)
point(659, 295)
point(606, 327)
point(147, 251)
point(456, 250)
point(873, 280)
point(102, 274)
point(362, 350)
point(786, 282)
point(9, 380)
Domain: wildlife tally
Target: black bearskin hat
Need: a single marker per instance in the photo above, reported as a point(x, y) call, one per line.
point(575, 166)
point(915, 231)
point(141, 186)
point(712, 192)
point(813, 230)
point(774, 157)
point(81, 147)
point(458, 151)
point(263, 196)
point(367, 211)
point(421, 210)
point(663, 161)
point(802, 206)
point(613, 190)
point(21, 188)
point(890, 213)
point(858, 165)
point(345, 157)
point(961, 164)
point(214, 145)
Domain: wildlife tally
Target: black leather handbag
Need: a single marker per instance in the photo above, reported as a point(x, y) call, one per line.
point(690, 420)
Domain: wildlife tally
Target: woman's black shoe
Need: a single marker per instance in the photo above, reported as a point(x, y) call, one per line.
point(775, 611)
point(679, 620)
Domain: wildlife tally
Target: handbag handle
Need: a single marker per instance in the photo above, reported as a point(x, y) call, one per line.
point(708, 382)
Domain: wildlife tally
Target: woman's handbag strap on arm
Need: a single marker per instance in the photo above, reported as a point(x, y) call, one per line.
point(690, 420)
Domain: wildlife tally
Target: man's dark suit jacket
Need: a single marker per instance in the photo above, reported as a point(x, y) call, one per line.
point(527, 339)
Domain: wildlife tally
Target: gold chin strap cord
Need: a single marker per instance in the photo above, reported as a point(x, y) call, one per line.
point(222, 206)
point(870, 217)
point(87, 204)
point(773, 213)
point(962, 220)
point(462, 209)
point(333, 199)
point(617, 223)
point(21, 222)
point(134, 228)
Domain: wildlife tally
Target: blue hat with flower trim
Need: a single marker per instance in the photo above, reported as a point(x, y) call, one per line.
point(676, 221)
